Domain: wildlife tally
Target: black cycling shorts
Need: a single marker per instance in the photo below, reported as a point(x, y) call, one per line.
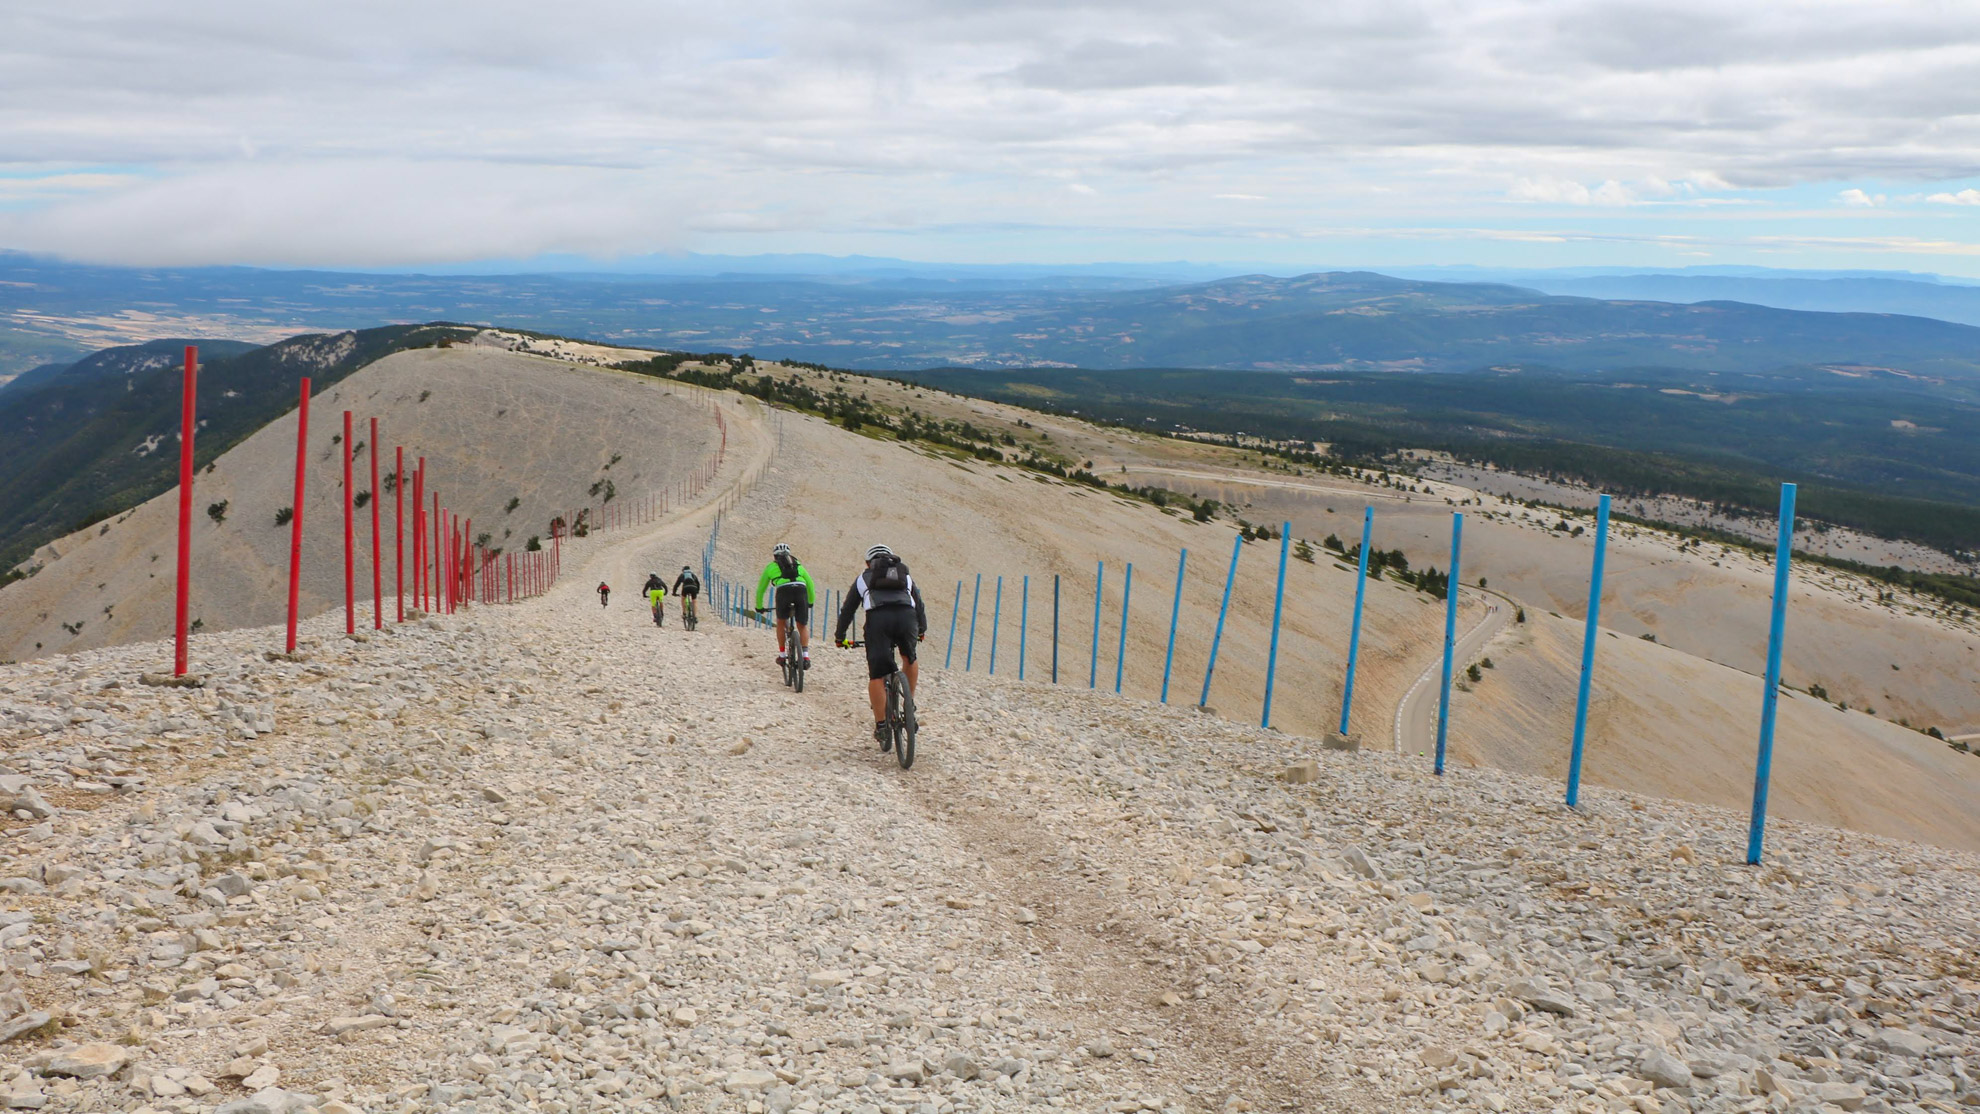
point(888, 629)
point(791, 603)
point(689, 591)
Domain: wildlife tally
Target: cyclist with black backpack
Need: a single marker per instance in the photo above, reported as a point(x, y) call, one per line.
point(895, 620)
point(788, 585)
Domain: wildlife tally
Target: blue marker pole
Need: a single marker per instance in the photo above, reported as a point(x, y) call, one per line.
point(1588, 652)
point(1024, 620)
point(955, 609)
point(1217, 639)
point(1093, 660)
point(1354, 632)
point(1120, 653)
point(1278, 607)
point(1450, 640)
point(975, 596)
point(1175, 612)
point(1776, 634)
point(996, 620)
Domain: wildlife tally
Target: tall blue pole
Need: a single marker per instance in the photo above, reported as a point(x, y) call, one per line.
point(1024, 620)
point(955, 609)
point(1776, 634)
point(1093, 661)
point(1278, 608)
point(1450, 639)
point(1588, 652)
point(1217, 639)
point(975, 597)
point(1354, 632)
point(1120, 653)
point(996, 620)
point(1175, 612)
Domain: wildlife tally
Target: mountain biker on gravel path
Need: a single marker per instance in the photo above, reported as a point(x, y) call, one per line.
point(788, 584)
point(895, 619)
point(604, 594)
point(656, 597)
point(687, 585)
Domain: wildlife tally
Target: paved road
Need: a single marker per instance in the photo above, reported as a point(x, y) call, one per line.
point(1416, 714)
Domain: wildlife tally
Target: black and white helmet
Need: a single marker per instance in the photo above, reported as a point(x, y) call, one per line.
point(878, 551)
point(781, 549)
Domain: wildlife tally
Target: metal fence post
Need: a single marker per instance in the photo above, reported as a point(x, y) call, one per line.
point(996, 622)
point(1224, 609)
point(1175, 612)
point(1776, 635)
point(949, 657)
point(1055, 628)
point(1093, 660)
point(1588, 652)
point(975, 596)
point(1120, 652)
point(1450, 638)
point(1024, 620)
point(1278, 608)
point(1354, 632)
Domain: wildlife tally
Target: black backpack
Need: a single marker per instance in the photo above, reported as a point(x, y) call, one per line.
point(787, 565)
point(889, 574)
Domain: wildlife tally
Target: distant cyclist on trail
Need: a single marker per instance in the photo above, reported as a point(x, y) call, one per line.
point(788, 584)
point(656, 596)
point(895, 619)
point(604, 594)
point(687, 585)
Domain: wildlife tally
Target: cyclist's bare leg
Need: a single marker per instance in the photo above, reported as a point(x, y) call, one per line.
point(913, 671)
point(780, 635)
point(804, 636)
point(876, 694)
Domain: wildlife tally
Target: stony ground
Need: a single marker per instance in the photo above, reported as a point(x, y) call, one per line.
point(549, 858)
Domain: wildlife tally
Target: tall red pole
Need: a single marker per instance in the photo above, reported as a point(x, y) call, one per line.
point(469, 564)
point(186, 424)
point(419, 535)
point(350, 539)
point(377, 543)
point(433, 559)
point(399, 526)
point(296, 513)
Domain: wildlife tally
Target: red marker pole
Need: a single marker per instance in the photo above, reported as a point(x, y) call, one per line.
point(433, 557)
point(399, 526)
point(377, 543)
point(417, 549)
point(468, 565)
point(296, 513)
point(187, 421)
point(350, 539)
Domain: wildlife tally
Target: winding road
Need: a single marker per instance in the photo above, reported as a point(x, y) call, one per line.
point(1416, 714)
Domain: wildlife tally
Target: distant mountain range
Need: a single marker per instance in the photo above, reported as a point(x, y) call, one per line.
point(884, 318)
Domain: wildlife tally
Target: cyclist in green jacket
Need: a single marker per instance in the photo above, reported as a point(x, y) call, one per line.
point(656, 598)
point(788, 585)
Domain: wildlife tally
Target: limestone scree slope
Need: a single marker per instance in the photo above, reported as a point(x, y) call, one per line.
point(550, 857)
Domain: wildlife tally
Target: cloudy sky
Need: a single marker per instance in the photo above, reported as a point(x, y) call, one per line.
point(1808, 133)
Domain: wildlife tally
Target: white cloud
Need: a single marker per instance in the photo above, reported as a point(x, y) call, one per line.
point(1963, 197)
point(1561, 191)
point(614, 125)
point(1858, 199)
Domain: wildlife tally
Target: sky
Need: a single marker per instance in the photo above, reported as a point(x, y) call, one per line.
point(1392, 133)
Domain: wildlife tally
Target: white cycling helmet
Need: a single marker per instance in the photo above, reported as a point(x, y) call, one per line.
point(877, 551)
point(781, 549)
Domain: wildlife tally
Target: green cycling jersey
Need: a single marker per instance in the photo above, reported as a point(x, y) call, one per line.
point(774, 577)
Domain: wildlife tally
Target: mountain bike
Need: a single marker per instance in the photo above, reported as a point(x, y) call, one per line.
point(660, 614)
point(901, 723)
point(687, 612)
point(794, 665)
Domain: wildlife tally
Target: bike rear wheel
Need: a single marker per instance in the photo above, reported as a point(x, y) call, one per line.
point(795, 666)
point(687, 619)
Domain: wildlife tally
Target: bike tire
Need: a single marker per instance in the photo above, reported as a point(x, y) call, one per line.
point(687, 620)
point(900, 717)
point(797, 672)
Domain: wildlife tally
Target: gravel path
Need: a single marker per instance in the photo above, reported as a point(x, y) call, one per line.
point(549, 858)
